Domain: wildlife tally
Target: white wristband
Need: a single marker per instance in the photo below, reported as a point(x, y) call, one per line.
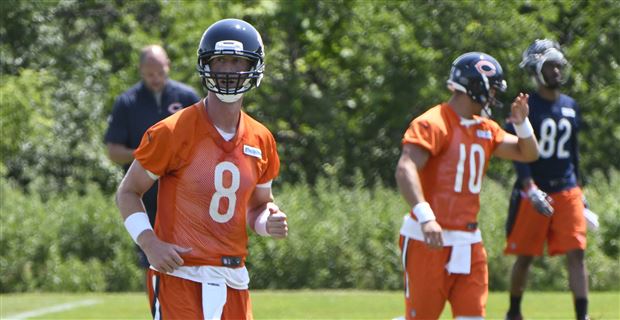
point(423, 212)
point(136, 223)
point(260, 226)
point(524, 129)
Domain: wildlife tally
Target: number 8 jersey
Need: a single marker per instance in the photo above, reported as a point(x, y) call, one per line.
point(205, 182)
point(460, 150)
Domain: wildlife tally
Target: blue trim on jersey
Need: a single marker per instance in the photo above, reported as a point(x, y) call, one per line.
point(556, 124)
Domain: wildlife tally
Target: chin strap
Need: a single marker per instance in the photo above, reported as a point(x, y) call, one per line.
point(229, 98)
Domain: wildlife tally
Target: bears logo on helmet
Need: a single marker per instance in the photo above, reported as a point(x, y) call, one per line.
point(475, 73)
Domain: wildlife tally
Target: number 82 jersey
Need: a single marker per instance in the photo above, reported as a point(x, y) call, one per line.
point(555, 124)
point(205, 182)
point(460, 150)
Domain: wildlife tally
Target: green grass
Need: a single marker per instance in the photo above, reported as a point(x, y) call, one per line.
point(306, 304)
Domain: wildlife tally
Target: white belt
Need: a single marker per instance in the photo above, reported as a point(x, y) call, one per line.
point(214, 280)
point(460, 241)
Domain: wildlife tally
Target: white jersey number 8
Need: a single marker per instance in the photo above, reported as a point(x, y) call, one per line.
point(548, 133)
point(224, 192)
point(475, 172)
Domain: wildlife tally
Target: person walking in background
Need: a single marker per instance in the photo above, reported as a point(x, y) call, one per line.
point(152, 99)
point(445, 154)
point(547, 205)
point(215, 165)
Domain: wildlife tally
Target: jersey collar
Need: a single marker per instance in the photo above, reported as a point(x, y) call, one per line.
point(227, 146)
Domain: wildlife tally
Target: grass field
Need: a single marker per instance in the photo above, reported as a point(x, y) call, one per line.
point(315, 304)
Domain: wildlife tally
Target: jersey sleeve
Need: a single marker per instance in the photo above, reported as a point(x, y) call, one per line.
point(273, 161)
point(424, 134)
point(498, 134)
point(156, 149)
point(118, 128)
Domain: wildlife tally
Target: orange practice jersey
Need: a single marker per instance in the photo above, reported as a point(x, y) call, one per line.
point(206, 181)
point(460, 152)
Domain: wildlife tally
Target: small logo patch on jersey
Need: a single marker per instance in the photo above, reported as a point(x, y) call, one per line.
point(174, 107)
point(251, 151)
point(568, 112)
point(484, 134)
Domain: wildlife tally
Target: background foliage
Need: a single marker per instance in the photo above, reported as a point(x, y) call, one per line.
point(341, 238)
point(343, 80)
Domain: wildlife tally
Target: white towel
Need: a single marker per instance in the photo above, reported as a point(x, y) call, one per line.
point(460, 259)
point(214, 281)
point(460, 241)
point(213, 299)
point(591, 219)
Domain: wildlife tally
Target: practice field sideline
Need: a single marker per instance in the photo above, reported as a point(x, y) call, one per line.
point(302, 304)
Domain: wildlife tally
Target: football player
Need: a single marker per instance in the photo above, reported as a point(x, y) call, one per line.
point(445, 153)
point(547, 204)
point(215, 165)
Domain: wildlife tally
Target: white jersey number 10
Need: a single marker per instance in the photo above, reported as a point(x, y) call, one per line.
point(476, 166)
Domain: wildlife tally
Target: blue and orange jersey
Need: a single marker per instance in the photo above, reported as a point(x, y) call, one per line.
point(205, 181)
point(460, 150)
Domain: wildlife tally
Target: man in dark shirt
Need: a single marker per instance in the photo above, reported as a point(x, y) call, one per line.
point(152, 99)
point(547, 203)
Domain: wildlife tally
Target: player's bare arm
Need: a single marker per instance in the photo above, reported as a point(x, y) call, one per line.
point(522, 147)
point(412, 159)
point(262, 209)
point(162, 256)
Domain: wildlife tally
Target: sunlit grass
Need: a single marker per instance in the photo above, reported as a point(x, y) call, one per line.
point(309, 304)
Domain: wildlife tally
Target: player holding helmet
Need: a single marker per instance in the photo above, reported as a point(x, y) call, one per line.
point(445, 154)
point(558, 219)
point(215, 165)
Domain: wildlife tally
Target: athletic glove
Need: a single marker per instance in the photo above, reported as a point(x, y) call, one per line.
point(541, 201)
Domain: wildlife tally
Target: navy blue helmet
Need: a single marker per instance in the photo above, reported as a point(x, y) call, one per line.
point(237, 38)
point(475, 73)
point(539, 52)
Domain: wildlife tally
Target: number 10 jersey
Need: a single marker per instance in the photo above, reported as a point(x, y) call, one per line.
point(460, 150)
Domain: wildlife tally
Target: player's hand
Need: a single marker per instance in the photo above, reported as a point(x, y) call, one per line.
point(432, 234)
point(163, 256)
point(519, 109)
point(540, 201)
point(277, 227)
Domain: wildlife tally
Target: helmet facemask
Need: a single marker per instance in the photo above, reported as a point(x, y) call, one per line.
point(541, 52)
point(230, 38)
point(230, 86)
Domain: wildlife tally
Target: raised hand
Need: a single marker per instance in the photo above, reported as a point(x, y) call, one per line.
point(519, 109)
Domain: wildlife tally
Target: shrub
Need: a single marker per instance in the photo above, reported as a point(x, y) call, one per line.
point(339, 238)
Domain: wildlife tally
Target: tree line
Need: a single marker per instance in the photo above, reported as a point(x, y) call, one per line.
point(343, 78)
